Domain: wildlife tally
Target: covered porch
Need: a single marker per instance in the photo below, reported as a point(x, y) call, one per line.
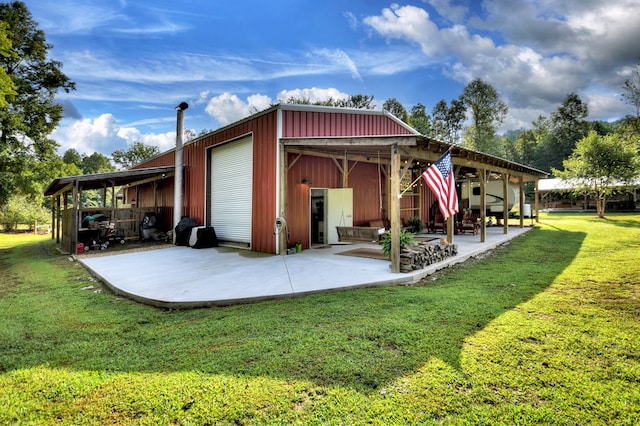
point(119, 211)
point(399, 161)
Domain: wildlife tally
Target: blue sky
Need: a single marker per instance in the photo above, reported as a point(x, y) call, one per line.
point(134, 61)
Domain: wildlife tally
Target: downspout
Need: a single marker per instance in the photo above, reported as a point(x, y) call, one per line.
point(177, 187)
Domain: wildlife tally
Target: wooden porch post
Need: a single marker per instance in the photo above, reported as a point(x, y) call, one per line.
point(394, 202)
point(345, 172)
point(537, 201)
point(505, 204)
point(53, 217)
point(521, 185)
point(281, 238)
point(58, 218)
point(75, 221)
point(483, 205)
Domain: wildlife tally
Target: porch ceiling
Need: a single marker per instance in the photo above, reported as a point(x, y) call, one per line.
point(99, 180)
point(416, 151)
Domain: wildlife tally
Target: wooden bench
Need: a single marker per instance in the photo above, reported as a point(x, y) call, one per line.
point(370, 233)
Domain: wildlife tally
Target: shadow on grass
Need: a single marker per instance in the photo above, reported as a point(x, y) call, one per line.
point(362, 339)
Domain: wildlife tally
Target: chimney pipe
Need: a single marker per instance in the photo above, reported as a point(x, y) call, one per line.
point(177, 190)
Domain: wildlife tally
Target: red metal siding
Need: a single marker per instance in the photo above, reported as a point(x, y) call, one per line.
point(263, 128)
point(327, 124)
point(323, 173)
point(368, 188)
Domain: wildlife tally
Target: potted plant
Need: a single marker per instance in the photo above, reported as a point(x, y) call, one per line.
point(406, 238)
point(416, 224)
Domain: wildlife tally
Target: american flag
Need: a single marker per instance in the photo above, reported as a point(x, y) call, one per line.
point(439, 177)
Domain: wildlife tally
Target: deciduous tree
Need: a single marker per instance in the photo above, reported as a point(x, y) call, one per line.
point(487, 112)
point(448, 120)
point(32, 113)
point(601, 164)
point(394, 106)
point(631, 90)
point(419, 119)
point(136, 154)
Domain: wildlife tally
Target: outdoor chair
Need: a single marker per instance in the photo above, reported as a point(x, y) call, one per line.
point(439, 224)
point(469, 223)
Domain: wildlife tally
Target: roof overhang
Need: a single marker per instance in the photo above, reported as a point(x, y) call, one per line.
point(100, 180)
point(567, 185)
point(414, 149)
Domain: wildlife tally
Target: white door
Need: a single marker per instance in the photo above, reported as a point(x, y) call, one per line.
point(339, 211)
point(232, 190)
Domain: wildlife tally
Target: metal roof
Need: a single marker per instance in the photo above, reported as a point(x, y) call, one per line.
point(98, 180)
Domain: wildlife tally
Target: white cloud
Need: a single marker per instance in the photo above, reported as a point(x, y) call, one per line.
point(340, 59)
point(446, 9)
point(313, 94)
point(351, 19)
point(103, 134)
point(544, 51)
point(228, 108)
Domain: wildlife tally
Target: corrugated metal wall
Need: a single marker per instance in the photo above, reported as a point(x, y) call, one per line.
point(322, 172)
point(314, 124)
point(368, 186)
point(263, 128)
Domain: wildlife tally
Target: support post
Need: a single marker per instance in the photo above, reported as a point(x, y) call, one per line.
point(53, 217)
point(537, 201)
point(345, 172)
point(75, 221)
point(483, 205)
point(281, 237)
point(394, 204)
point(521, 186)
point(505, 204)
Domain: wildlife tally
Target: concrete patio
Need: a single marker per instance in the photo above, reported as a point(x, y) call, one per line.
point(181, 277)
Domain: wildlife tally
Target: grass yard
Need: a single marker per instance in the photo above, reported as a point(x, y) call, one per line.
point(542, 331)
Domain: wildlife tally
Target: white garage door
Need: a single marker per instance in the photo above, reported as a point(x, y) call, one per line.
point(232, 190)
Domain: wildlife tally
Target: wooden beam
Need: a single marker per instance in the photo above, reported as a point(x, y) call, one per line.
point(281, 237)
point(66, 188)
point(337, 163)
point(404, 169)
point(294, 161)
point(75, 221)
point(505, 204)
point(394, 203)
point(537, 200)
point(483, 204)
point(353, 157)
point(345, 171)
point(151, 179)
point(521, 185)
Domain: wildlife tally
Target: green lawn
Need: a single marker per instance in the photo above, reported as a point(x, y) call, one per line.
point(543, 331)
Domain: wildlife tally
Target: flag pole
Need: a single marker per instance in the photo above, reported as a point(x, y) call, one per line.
point(418, 178)
point(411, 186)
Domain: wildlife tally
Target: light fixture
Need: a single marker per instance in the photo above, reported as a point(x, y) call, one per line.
point(306, 181)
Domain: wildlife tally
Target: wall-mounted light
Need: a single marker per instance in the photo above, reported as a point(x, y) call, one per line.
point(306, 181)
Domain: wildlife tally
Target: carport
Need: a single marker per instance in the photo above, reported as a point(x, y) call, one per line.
point(67, 209)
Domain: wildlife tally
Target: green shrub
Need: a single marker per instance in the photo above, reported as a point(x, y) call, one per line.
point(406, 238)
point(19, 210)
point(416, 224)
